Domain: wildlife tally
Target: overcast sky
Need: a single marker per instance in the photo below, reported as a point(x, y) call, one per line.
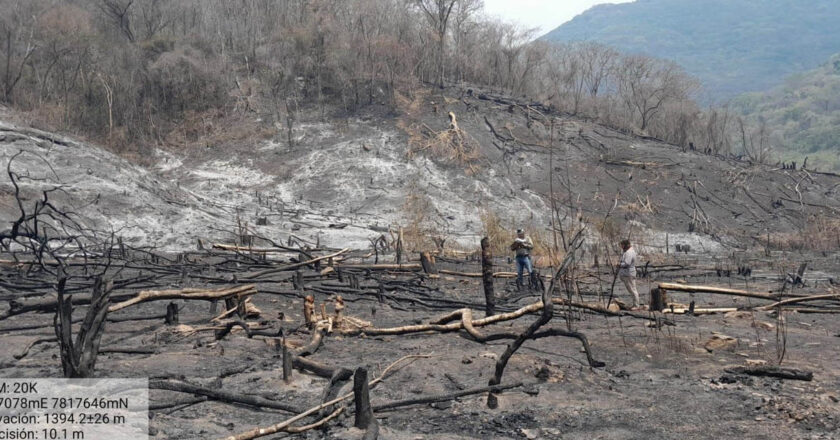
point(543, 14)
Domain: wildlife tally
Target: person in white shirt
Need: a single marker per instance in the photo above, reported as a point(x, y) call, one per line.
point(627, 271)
point(522, 245)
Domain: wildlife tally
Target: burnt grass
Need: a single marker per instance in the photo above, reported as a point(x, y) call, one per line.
point(659, 381)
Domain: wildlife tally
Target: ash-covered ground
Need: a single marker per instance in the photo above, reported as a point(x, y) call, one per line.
point(364, 174)
point(345, 182)
point(660, 381)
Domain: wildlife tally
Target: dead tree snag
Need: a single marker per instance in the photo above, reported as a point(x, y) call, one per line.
point(427, 261)
point(487, 276)
point(171, 314)
point(309, 310)
point(339, 307)
point(545, 316)
point(78, 358)
point(287, 360)
point(361, 399)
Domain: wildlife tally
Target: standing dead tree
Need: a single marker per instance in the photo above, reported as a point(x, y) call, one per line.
point(79, 358)
point(49, 236)
point(42, 231)
point(545, 316)
point(119, 12)
point(437, 12)
point(17, 46)
point(487, 276)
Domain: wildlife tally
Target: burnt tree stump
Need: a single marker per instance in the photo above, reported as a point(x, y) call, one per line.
point(428, 263)
point(658, 299)
point(309, 311)
point(171, 314)
point(361, 399)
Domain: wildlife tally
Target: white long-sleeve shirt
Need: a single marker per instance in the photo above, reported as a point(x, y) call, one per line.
point(627, 267)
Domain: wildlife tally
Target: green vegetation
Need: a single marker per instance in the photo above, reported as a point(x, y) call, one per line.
point(731, 46)
point(803, 115)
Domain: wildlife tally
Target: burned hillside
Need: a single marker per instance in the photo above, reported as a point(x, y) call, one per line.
point(258, 286)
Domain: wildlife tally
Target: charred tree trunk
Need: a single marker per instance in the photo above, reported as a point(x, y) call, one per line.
point(487, 276)
point(399, 246)
point(78, 358)
point(658, 299)
point(287, 361)
point(309, 311)
point(361, 398)
point(171, 314)
point(428, 263)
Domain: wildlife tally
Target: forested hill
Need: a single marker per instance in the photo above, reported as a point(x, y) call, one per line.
point(732, 46)
point(803, 114)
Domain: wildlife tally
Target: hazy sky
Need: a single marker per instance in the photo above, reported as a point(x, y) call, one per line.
point(543, 14)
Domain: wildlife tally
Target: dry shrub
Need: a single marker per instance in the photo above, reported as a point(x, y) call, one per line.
point(409, 104)
point(502, 234)
point(421, 231)
point(498, 233)
point(213, 128)
point(820, 233)
point(640, 206)
point(48, 117)
point(657, 258)
point(65, 21)
point(544, 253)
point(609, 228)
point(453, 145)
point(120, 142)
point(186, 79)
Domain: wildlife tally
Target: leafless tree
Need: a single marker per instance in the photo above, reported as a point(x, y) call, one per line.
point(437, 13)
point(166, 61)
point(154, 16)
point(646, 85)
point(464, 24)
point(119, 11)
point(755, 142)
point(598, 65)
point(566, 77)
point(16, 42)
point(717, 127)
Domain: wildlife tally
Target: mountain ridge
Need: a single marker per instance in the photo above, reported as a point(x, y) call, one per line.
point(802, 114)
point(733, 47)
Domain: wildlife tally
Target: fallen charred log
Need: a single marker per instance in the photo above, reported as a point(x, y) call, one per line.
point(220, 395)
point(773, 371)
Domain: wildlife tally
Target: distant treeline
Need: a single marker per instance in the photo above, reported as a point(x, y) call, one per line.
point(803, 115)
point(131, 72)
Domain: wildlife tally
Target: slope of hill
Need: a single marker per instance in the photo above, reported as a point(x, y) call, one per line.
point(803, 114)
point(732, 46)
point(346, 182)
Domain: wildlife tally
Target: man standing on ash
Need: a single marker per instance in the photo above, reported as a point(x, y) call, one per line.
point(522, 245)
point(627, 271)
